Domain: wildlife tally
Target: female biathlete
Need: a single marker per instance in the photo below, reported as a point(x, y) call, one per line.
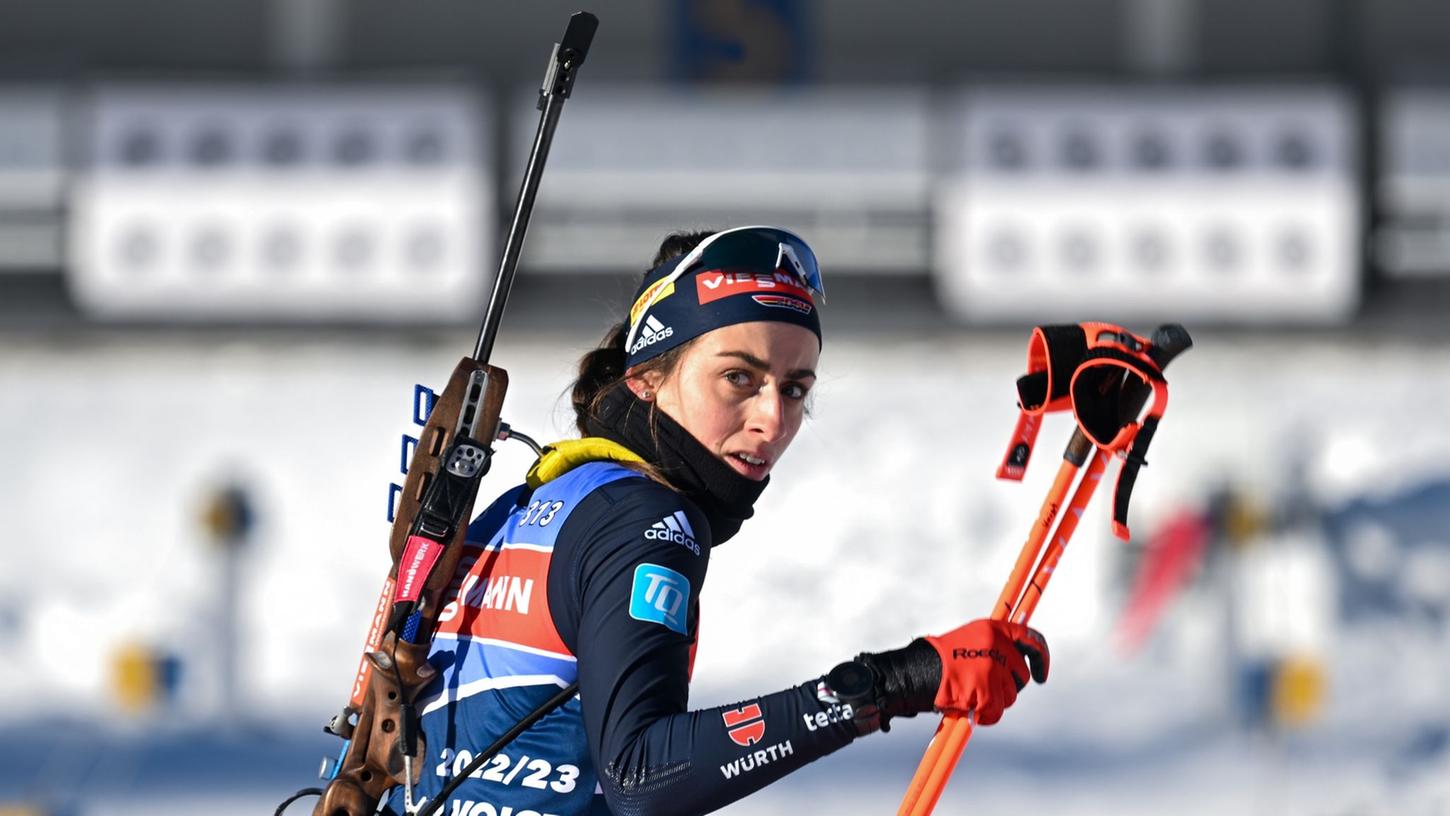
point(592, 570)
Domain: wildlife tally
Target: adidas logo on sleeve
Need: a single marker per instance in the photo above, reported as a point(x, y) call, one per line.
point(651, 332)
point(674, 527)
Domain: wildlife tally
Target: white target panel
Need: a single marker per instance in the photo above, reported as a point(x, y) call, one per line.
point(847, 167)
point(1220, 205)
point(281, 202)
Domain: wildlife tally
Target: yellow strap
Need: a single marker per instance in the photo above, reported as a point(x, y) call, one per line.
point(562, 457)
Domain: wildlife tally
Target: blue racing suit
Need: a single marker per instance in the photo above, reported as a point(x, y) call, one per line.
point(596, 576)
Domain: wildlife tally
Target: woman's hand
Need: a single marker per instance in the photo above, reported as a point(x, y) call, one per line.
point(978, 667)
point(985, 663)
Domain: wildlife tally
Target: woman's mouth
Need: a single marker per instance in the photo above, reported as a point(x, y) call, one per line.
point(749, 465)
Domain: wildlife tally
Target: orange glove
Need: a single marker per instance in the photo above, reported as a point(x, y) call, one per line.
point(984, 665)
point(979, 667)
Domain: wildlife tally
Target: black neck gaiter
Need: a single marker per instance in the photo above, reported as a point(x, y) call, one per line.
point(726, 497)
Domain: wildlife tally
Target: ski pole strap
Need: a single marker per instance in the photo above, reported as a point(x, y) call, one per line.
point(1099, 386)
point(1094, 370)
point(1128, 475)
point(1053, 355)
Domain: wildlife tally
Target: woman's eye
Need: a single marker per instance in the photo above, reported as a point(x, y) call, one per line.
point(737, 378)
point(794, 391)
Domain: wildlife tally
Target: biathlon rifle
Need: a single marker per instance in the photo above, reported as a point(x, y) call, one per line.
point(380, 724)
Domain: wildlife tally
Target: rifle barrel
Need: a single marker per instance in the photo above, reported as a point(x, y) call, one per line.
point(568, 55)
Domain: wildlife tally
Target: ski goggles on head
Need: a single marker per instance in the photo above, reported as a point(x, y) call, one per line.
point(775, 267)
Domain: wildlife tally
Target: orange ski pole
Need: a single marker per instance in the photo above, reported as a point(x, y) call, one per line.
point(955, 730)
point(1097, 466)
point(1032, 548)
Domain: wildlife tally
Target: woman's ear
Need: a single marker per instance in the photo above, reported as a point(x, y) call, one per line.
point(644, 385)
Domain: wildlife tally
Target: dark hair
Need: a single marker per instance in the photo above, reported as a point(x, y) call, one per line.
point(603, 368)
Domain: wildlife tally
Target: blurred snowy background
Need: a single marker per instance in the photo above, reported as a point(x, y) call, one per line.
point(233, 236)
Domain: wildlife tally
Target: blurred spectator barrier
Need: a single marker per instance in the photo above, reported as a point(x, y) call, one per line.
point(32, 178)
point(284, 202)
point(1392, 552)
point(1139, 203)
point(846, 167)
point(1414, 185)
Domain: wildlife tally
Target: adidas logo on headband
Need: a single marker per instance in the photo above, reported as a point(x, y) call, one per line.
point(650, 332)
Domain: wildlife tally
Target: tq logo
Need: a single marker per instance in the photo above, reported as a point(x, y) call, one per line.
point(660, 595)
point(746, 725)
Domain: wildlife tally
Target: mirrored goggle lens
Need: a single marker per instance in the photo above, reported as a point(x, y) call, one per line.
point(797, 256)
point(762, 248)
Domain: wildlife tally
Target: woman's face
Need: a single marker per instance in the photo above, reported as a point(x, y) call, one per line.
point(741, 391)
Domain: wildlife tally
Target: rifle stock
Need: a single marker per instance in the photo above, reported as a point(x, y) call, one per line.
point(438, 434)
point(393, 671)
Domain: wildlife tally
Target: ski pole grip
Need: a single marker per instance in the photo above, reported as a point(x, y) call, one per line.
point(1169, 341)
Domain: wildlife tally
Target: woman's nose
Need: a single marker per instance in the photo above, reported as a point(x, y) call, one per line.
point(767, 414)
